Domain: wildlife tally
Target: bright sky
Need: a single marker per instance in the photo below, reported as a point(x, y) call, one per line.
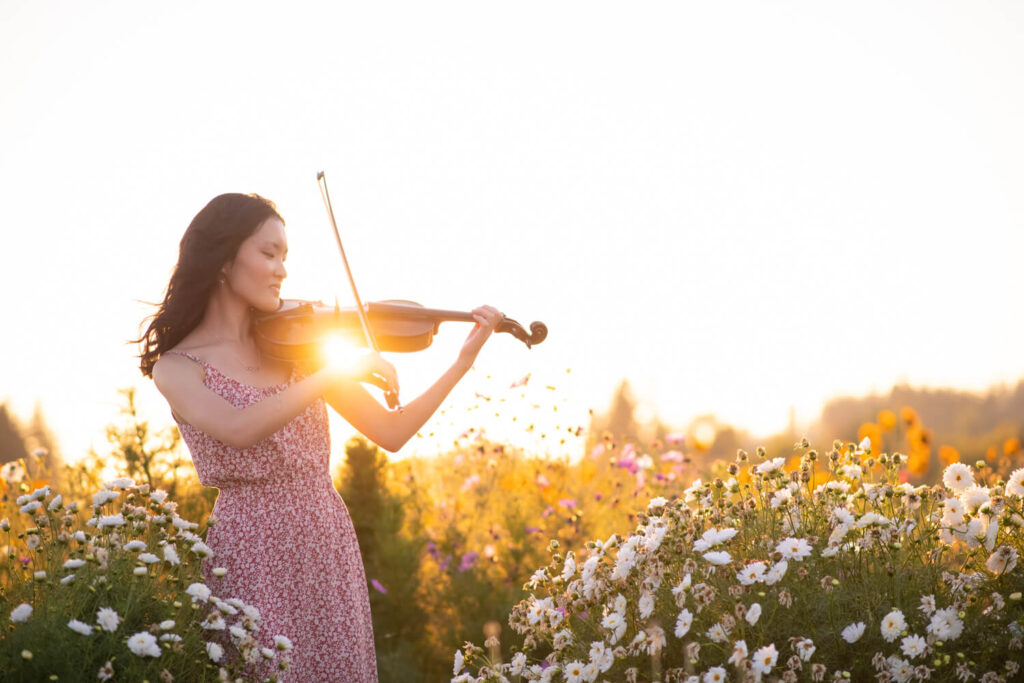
point(741, 207)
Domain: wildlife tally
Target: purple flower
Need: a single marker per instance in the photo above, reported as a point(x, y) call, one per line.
point(569, 503)
point(379, 587)
point(598, 496)
point(532, 529)
point(444, 562)
point(468, 560)
point(547, 511)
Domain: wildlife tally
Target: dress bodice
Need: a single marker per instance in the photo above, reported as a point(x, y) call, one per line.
point(299, 451)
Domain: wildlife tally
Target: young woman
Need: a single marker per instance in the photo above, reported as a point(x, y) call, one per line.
point(257, 430)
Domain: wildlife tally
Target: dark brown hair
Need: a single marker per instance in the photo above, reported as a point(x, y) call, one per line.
point(211, 240)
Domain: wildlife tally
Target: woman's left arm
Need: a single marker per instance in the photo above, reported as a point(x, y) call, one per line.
point(391, 429)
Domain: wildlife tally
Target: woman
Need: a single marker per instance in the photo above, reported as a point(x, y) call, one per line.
point(257, 429)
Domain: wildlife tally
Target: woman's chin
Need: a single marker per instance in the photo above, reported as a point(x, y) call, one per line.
point(268, 305)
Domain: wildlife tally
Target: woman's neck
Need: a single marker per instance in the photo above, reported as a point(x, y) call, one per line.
point(227, 318)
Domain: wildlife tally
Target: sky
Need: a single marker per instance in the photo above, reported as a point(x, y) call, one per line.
point(744, 208)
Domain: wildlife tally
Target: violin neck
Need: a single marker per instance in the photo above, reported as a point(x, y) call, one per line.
point(437, 314)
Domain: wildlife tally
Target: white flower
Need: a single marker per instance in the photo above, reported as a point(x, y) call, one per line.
point(872, 518)
point(120, 483)
point(5, 524)
point(775, 574)
point(752, 573)
point(158, 496)
point(852, 471)
point(645, 605)
point(67, 579)
point(144, 644)
point(220, 571)
point(39, 575)
point(865, 444)
point(171, 555)
point(21, 613)
point(718, 557)
point(1002, 560)
point(183, 524)
point(853, 632)
point(781, 497)
point(74, 564)
point(892, 625)
point(170, 638)
point(201, 549)
point(282, 643)
point(108, 619)
point(111, 520)
point(80, 627)
point(974, 496)
point(40, 493)
point(1015, 486)
point(148, 558)
point(739, 653)
point(794, 548)
point(214, 651)
point(167, 625)
point(140, 571)
point(79, 536)
point(945, 624)
point(104, 496)
point(770, 465)
point(656, 503)
point(29, 508)
point(805, 648)
point(683, 623)
point(914, 646)
point(518, 663)
point(715, 674)
point(134, 546)
point(753, 613)
point(55, 503)
point(764, 658)
point(712, 537)
point(717, 633)
point(214, 622)
point(573, 672)
point(199, 592)
point(958, 477)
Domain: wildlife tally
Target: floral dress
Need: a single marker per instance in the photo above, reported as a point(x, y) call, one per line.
point(286, 538)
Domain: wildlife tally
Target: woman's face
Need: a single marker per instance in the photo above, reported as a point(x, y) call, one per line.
point(257, 271)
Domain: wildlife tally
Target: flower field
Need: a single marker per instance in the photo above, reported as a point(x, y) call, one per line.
point(635, 562)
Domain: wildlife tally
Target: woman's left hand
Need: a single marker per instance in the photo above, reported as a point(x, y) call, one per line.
point(487, 318)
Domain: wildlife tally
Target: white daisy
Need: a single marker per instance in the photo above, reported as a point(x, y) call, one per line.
point(718, 557)
point(715, 674)
point(958, 476)
point(215, 652)
point(80, 627)
point(739, 653)
point(143, 644)
point(752, 573)
point(853, 632)
point(683, 623)
point(764, 658)
point(892, 625)
point(753, 613)
point(21, 613)
point(1015, 486)
point(108, 619)
point(199, 592)
point(794, 548)
point(914, 646)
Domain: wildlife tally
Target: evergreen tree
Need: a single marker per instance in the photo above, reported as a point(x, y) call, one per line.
point(12, 443)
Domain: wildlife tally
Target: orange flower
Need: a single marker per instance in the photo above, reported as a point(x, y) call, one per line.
point(948, 455)
point(909, 415)
point(917, 463)
point(887, 420)
point(991, 454)
point(871, 431)
point(1011, 446)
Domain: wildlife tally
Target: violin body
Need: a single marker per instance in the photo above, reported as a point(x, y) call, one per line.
point(295, 330)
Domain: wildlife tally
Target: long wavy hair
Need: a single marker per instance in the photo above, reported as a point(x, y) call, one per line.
point(211, 240)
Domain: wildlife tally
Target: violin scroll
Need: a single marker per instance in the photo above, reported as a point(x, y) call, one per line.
point(538, 331)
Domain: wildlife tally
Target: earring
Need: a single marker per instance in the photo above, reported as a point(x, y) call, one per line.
point(222, 279)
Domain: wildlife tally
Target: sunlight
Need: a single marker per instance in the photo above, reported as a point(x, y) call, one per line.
point(339, 352)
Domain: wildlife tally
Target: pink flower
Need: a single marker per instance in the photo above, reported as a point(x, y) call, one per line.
point(380, 588)
point(468, 560)
point(569, 503)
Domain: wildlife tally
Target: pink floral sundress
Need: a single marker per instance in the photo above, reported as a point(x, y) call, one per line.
point(286, 538)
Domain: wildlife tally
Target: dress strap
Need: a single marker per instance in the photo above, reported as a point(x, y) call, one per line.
point(188, 355)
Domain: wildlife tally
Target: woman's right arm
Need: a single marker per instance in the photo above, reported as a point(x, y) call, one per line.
point(180, 380)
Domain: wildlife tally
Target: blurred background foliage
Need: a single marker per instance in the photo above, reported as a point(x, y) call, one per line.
point(448, 541)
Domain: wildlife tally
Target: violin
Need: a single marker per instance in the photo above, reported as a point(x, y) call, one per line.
point(296, 330)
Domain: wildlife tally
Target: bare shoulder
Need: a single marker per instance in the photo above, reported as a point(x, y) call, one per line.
point(174, 368)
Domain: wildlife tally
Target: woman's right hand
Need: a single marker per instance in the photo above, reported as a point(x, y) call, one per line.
point(365, 366)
